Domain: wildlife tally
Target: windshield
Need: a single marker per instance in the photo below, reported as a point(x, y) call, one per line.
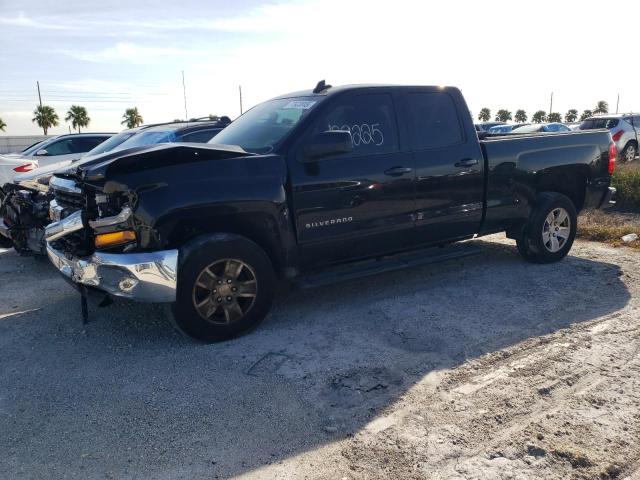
point(501, 129)
point(266, 124)
point(149, 138)
point(530, 129)
point(111, 143)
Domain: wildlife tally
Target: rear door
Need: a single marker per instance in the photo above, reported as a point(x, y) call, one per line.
point(449, 165)
point(356, 204)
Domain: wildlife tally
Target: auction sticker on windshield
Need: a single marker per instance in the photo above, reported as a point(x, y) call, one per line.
point(300, 104)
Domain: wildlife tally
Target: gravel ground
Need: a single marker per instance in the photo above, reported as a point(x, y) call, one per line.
point(484, 367)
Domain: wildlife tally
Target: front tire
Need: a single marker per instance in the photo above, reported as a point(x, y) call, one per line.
point(551, 230)
point(226, 285)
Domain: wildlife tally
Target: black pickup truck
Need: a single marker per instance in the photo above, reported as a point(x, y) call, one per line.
point(332, 179)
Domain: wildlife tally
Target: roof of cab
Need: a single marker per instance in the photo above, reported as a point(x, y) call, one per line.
point(331, 90)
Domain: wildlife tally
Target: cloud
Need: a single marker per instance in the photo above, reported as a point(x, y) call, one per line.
point(131, 53)
point(23, 21)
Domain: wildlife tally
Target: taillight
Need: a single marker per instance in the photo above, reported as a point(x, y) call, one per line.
point(613, 153)
point(27, 167)
point(617, 136)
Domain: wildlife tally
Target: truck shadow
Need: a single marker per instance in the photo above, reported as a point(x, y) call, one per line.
point(127, 395)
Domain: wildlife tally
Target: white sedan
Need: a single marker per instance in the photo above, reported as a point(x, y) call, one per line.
point(10, 166)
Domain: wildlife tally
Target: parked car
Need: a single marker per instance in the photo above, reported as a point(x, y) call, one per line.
point(10, 167)
point(25, 211)
point(314, 187)
point(485, 126)
point(625, 131)
point(543, 127)
point(506, 128)
point(42, 174)
point(60, 148)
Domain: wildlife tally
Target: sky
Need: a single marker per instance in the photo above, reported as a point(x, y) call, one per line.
point(112, 55)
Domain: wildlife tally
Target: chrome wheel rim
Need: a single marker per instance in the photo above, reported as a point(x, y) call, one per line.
point(225, 291)
point(631, 153)
point(556, 230)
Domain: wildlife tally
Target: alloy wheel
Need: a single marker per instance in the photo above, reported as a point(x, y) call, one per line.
point(225, 291)
point(556, 230)
point(630, 154)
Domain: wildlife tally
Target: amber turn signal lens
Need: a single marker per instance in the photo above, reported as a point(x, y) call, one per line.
point(115, 238)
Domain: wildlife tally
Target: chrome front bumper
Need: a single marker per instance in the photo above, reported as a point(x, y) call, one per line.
point(144, 277)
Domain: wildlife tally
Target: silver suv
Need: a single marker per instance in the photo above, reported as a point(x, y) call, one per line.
point(625, 131)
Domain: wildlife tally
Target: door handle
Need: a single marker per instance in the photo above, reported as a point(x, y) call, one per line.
point(467, 162)
point(397, 171)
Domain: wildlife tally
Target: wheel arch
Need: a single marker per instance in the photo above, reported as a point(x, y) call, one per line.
point(262, 228)
point(570, 180)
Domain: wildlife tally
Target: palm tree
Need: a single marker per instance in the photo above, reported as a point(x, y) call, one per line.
point(132, 118)
point(521, 116)
point(586, 114)
point(539, 117)
point(503, 115)
point(2, 125)
point(554, 117)
point(78, 116)
point(46, 117)
point(484, 115)
point(571, 116)
point(601, 108)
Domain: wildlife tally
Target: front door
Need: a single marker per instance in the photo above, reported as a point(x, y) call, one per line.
point(361, 203)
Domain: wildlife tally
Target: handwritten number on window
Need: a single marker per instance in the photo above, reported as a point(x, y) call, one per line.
point(363, 134)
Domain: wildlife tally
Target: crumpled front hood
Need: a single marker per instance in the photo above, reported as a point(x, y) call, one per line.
point(148, 157)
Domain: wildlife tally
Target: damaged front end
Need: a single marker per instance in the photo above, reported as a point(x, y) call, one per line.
point(24, 214)
point(105, 233)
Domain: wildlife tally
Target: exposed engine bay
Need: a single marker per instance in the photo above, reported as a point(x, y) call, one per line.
point(25, 213)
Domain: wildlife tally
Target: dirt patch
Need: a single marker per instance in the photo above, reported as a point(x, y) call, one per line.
point(609, 226)
point(485, 367)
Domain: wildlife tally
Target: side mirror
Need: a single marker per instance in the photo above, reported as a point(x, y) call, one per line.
point(326, 144)
point(42, 153)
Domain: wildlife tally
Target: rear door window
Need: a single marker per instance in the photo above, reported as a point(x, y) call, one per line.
point(594, 123)
point(84, 144)
point(433, 121)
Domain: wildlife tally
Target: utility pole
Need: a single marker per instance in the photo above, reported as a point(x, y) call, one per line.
point(240, 90)
point(184, 93)
point(551, 104)
point(39, 96)
point(617, 103)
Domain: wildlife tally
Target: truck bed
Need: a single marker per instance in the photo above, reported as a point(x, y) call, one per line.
point(517, 165)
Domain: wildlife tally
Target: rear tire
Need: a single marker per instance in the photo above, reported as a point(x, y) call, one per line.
point(551, 230)
point(226, 285)
point(629, 152)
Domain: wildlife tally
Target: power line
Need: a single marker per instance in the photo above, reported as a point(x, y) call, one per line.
point(184, 92)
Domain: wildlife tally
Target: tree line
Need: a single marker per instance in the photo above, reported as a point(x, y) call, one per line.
point(541, 116)
point(46, 117)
